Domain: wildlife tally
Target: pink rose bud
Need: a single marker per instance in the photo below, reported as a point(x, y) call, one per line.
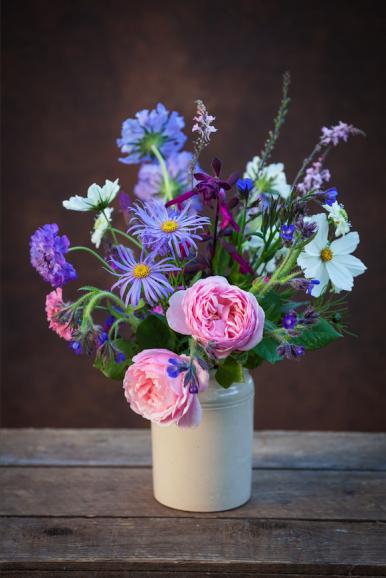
point(217, 314)
point(156, 396)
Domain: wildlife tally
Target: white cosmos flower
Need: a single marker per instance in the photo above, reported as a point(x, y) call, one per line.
point(98, 198)
point(100, 226)
point(326, 261)
point(272, 178)
point(338, 216)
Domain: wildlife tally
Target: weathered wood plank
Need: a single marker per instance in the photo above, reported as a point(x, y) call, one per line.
point(272, 449)
point(291, 494)
point(193, 544)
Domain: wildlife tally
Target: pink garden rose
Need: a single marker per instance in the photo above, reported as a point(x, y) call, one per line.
point(160, 398)
point(54, 304)
point(217, 314)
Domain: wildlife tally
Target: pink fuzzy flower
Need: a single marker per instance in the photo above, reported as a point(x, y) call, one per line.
point(160, 398)
point(54, 304)
point(217, 314)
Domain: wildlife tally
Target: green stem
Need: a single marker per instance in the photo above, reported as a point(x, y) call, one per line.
point(128, 237)
point(165, 174)
point(88, 250)
point(94, 300)
point(110, 227)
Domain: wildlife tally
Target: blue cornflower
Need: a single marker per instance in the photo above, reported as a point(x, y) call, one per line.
point(151, 184)
point(161, 229)
point(330, 196)
point(158, 127)
point(145, 275)
point(47, 250)
point(289, 320)
point(287, 232)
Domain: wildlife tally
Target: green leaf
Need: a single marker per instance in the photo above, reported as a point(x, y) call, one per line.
point(253, 360)
point(267, 350)
point(317, 336)
point(231, 371)
point(154, 333)
point(111, 368)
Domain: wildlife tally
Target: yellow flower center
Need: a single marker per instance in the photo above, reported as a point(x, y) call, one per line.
point(169, 226)
point(141, 271)
point(326, 254)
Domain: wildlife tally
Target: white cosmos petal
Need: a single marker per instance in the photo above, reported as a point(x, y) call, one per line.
point(321, 276)
point(353, 264)
point(309, 263)
point(346, 244)
point(77, 203)
point(94, 194)
point(110, 190)
point(339, 275)
point(319, 242)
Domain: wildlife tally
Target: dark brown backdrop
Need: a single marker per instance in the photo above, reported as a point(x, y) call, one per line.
point(74, 69)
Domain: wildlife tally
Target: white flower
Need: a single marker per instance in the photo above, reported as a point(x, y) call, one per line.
point(326, 261)
point(101, 225)
point(98, 198)
point(338, 216)
point(272, 178)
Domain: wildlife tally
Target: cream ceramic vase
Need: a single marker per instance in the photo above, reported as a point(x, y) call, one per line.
point(207, 468)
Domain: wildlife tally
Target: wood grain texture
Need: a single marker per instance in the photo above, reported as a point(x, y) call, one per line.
point(324, 495)
point(201, 544)
point(122, 447)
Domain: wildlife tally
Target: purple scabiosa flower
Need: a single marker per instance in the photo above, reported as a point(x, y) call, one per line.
point(338, 132)
point(310, 316)
point(289, 320)
point(330, 196)
point(304, 284)
point(287, 232)
point(151, 184)
point(314, 178)
point(144, 276)
point(47, 250)
point(290, 351)
point(158, 127)
point(306, 228)
point(162, 230)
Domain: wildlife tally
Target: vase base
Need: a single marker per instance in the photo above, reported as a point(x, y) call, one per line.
point(201, 508)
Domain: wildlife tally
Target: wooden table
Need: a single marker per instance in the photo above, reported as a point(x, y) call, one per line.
point(79, 503)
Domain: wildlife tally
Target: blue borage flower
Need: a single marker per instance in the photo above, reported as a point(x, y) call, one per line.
point(290, 350)
point(290, 320)
point(143, 276)
point(287, 232)
point(158, 127)
point(161, 229)
point(47, 250)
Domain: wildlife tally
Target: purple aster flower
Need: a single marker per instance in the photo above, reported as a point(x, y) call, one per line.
point(304, 284)
point(287, 232)
point(289, 320)
point(151, 184)
point(47, 250)
point(314, 178)
point(290, 351)
point(339, 132)
point(330, 196)
point(306, 228)
point(161, 229)
point(158, 127)
point(143, 276)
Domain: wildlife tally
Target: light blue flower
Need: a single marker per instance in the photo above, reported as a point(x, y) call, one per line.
point(158, 127)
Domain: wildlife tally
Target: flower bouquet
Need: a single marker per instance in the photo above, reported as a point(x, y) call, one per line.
point(210, 277)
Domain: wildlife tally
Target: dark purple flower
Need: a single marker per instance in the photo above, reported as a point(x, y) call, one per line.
point(304, 284)
point(306, 228)
point(290, 351)
point(310, 316)
point(47, 250)
point(330, 196)
point(287, 232)
point(227, 219)
point(289, 320)
point(245, 267)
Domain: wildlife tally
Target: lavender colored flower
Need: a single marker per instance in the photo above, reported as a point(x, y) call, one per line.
point(314, 178)
point(290, 351)
point(306, 228)
point(144, 276)
point(287, 232)
point(47, 250)
point(304, 284)
point(203, 125)
point(330, 196)
point(289, 320)
point(310, 316)
point(161, 229)
point(151, 184)
point(340, 131)
point(158, 127)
